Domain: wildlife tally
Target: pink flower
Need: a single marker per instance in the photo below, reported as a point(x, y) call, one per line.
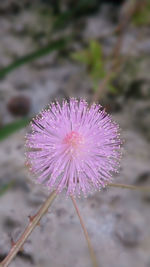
point(73, 146)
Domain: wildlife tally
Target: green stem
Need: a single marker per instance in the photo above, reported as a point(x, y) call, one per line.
point(54, 45)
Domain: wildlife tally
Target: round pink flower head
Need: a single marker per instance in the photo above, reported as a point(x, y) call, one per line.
point(73, 146)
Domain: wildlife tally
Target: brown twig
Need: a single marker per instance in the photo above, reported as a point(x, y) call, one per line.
point(33, 222)
point(116, 61)
point(123, 26)
point(132, 187)
point(93, 257)
point(131, 10)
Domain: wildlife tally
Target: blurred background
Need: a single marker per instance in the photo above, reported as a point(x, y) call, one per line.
point(99, 50)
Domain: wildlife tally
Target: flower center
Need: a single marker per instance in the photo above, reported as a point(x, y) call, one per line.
point(73, 139)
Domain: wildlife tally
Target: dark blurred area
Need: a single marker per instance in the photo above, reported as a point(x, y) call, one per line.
point(100, 51)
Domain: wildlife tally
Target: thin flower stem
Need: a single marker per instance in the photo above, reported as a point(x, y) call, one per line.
point(34, 221)
point(92, 253)
point(132, 187)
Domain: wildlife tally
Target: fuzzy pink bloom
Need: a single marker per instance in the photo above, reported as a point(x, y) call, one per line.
point(73, 146)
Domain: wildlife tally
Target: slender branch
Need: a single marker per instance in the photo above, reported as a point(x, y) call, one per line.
point(92, 253)
point(34, 221)
point(117, 61)
point(132, 187)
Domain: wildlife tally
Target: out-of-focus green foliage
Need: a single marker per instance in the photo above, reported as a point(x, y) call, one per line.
point(10, 128)
point(142, 16)
point(83, 7)
point(55, 45)
point(78, 9)
point(92, 57)
point(4, 188)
